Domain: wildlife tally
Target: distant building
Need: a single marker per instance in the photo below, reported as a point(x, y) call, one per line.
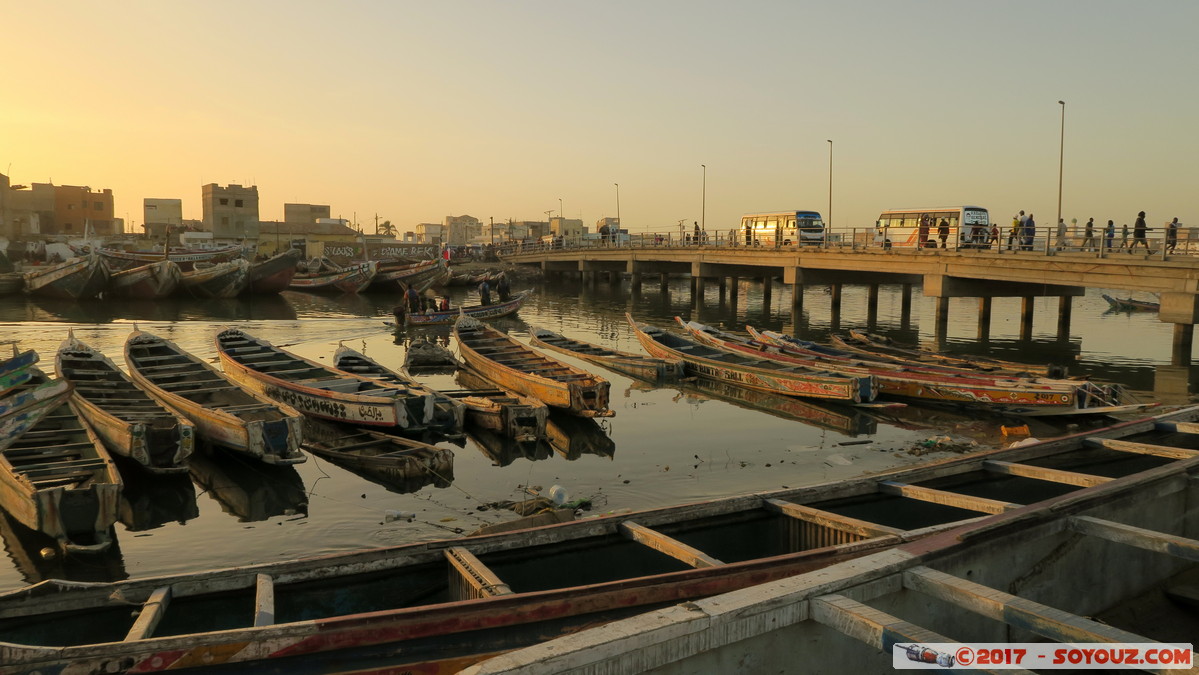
point(159, 216)
point(430, 233)
point(567, 228)
point(517, 230)
point(6, 223)
point(335, 237)
point(534, 229)
point(231, 213)
point(612, 223)
point(304, 213)
point(461, 230)
point(48, 209)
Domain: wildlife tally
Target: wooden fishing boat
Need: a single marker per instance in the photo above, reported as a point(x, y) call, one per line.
point(1131, 305)
point(148, 282)
point(127, 419)
point(79, 278)
point(273, 274)
point(11, 283)
point(55, 475)
point(1026, 574)
point(500, 411)
point(318, 390)
point(634, 365)
point(448, 413)
point(16, 370)
point(450, 603)
point(397, 276)
point(868, 344)
point(216, 280)
point(223, 412)
point(449, 316)
point(754, 372)
point(515, 366)
point(185, 258)
point(391, 458)
point(425, 355)
point(352, 279)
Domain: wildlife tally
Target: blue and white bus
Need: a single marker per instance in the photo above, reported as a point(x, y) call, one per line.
point(919, 228)
point(782, 228)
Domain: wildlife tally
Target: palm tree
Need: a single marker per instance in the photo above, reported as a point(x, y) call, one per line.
point(386, 229)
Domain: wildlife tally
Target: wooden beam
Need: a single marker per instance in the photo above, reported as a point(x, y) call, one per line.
point(945, 498)
point(151, 613)
point(837, 522)
point(1141, 448)
point(1149, 540)
point(1177, 427)
point(1042, 473)
point(264, 600)
point(479, 580)
point(1013, 610)
point(668, 545)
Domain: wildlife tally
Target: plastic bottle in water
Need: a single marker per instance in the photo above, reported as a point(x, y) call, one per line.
point(558, 495)
point(391, 515)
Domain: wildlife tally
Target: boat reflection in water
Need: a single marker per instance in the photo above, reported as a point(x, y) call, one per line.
point(150, 501)
point(250, 490)
point(394, 476)
point(842, 419)
point(318, 305)
point(38, 557)
point(572, 437)
point(502, 450)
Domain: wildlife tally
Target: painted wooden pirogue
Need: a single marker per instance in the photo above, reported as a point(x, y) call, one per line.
point(55, 475)
point(635, 365)
point(447, 317)
point(1015, 396)
point(448, 414)
point(875, 345)
point(223, 412)
point(318, 390)
point(515, 366)
point(148, 282)
point(186, 258)
point(127, 419)
point(216, 280)
point(504, 412)
point(1131, 304)
point(351, 279)
point(1111, 563)
point(389, 457)
point(471, 598)
point(273, 274)
point(754, 372)
point(16, 370)
point(79, 278)
point(398, 276)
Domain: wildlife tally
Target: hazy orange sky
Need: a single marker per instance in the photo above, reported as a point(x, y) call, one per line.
point(419, 110)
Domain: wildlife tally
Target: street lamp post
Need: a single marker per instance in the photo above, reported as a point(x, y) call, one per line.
point(830, 184)
point(1060, 161)
point(618, 223)
point(560, 213)
point(703, 207)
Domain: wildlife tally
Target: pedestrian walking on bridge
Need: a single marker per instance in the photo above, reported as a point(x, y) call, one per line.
point(1139, 231)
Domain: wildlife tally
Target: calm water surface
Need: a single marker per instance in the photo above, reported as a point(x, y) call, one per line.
point(666, 445)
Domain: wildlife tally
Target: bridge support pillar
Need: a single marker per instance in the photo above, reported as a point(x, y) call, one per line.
point(1065, 305)
point(941, 319)
point(1182, 310)
point(871, 306)
point(767, 283)
point(1026, 307)
point(984, 319)
point(834, 291)
point(1184, 340)
point(635, 281)
point(905, 306)
point(723, 287)
point(797, 297)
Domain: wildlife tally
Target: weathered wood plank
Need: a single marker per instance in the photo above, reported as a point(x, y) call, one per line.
point(150, 615)
point(668, 545)
point(946, 498)
point(827, 519)
point(482, 582)
point(1141, 448)
point(264, 600)
point(1042, 473)
point(1177, 427)
point(1150, 540)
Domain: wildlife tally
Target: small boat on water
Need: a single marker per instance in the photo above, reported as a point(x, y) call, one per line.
point(449, 316)
point(11, 283)
point(500, 411)
point(1131, 304)
point(425, 355)
point(398, 276)
point(16, 370)
point(448, 414)
point(868, 345)
point(185, 258)
point(635, 365)
point(55, 475)
point(352, 279)
point(216, 280)
point(755, 372)
point(224, 413)
point(513, 365)
point(127, 419)
point(391, 458)
point(79, 278)
point(318, 390)
point(450, 603)
point(149, 282)
point(274, 274)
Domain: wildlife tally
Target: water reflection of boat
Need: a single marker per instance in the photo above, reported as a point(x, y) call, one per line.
point(251, 491)
point(45, 308)
point(502, 451)
point(315, 304)
point(399, 464)
point(150, 501)
point(573, 437)
point(37, 557)
point(842, 419)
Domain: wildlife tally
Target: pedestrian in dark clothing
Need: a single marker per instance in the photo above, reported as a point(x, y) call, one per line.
point(1109, 233)
point(484, 293)
point(1088, 235)
point(1172, 235)
point(943, 232)
point(1139, 230)
point(413, 300)
point(1028, 234)
point(502, 288)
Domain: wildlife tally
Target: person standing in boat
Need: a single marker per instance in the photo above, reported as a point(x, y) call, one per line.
point(484, 293)
point(413, 300)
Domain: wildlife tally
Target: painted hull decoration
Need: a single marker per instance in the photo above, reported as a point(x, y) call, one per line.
point(273, 274)
point(484, 595)
point(448, 414)
point(127, 419)
point(448, 317)
point(755, 373)
point(635, 365)
point(184, 258)
point(16, 370)
point(318, 390)
point(517, 367)
point(223, 412)
point(220, 280)
point(352, 279)
point(148, 282)
point(55, 475)
point(79, 278)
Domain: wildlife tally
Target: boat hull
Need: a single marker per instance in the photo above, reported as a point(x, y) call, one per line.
point(351, 280)
point(446, 318)
point(148, 282)
point(633, 365)
point(80, 278)
point(222, 280)
point(274, 274)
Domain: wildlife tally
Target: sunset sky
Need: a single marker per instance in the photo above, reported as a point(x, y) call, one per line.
point(418, 110)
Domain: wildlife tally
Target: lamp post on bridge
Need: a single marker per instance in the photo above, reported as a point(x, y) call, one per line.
point(703, 207)
point(618, 223)
point(1060, 162)
point(829, 225)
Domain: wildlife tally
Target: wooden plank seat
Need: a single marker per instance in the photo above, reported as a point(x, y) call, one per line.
point(243, 408)
point(167, 366)
point(188, 383)
point(306, 369)
point(163, 357)
point(205, 390)
point(26, 454)
point(90, 371)
point(258, 365)
point(63, 480)
point(72, 465)
point(150, 614)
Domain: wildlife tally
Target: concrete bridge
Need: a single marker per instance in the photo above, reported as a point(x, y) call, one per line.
point(940, 273)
